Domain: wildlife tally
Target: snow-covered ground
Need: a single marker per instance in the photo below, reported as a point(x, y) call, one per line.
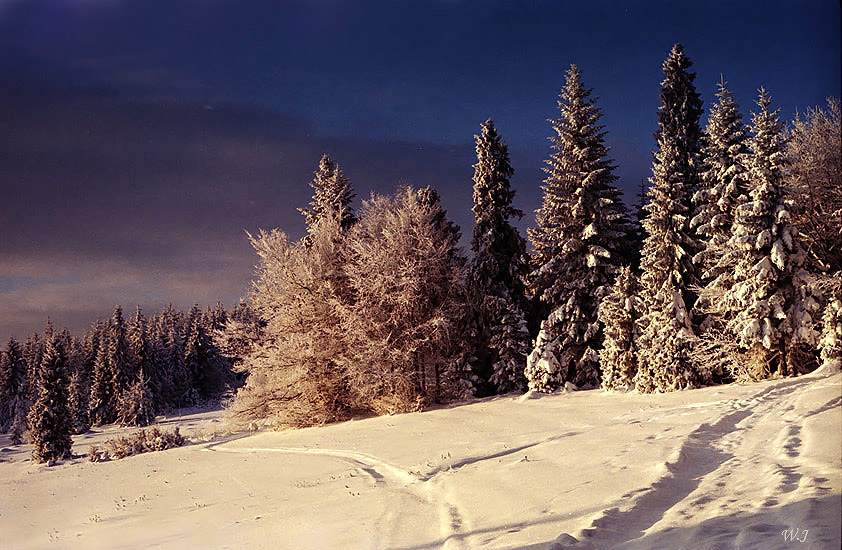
point(721, 467)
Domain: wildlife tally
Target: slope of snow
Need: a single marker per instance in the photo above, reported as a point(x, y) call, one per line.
point(721, 467)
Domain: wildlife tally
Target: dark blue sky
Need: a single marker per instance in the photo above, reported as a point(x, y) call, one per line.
point(138, 139)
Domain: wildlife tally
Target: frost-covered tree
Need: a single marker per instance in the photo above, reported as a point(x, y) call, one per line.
point(815, 153)
point(582, 229)
point(495, 274)
point(14, 390)
point(50, 422)
point(332, 196)
point(137, 407)
point(831, 339)
point(618, 314)
point(768, 306)
point(405, 270)
point(724, 181)
point(667, 270)
point(295, 373)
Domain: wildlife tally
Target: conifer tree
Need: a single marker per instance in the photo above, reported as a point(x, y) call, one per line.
point(495, 287)
point(578, 244)
point(332, 196)
point(33, 351)
point(119, 359)
point(769, 307)
point(724, 180)
point(202, 359)
point(80, 387)
point(14, 391)
point(50, 422)
point(136, 403)
point(101, 409)
point(179, 375)
point(667, 270)
point(618, 314)
point(137, 340)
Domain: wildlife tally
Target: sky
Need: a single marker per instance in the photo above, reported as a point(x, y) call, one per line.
point(140, 140)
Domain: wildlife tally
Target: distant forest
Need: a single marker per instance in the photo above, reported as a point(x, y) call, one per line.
point(729, 269)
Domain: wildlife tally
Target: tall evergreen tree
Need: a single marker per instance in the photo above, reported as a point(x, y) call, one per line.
point(14, 390)
point(724, 180)
point(495, 273)
point(768, 307)
point(578, 243)
point(667, 270)
point(119, 359)
point(201, 357)
point(101, 405)
point(50, 421)
point(33, 351)
point(80, 387)
point(332, 196)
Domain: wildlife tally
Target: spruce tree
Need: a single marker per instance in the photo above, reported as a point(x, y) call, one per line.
point(14, 390)
point(769, 307)
point(119, 360)
point(578, 244)
point(101, 408)
point(332, 196)
point(618, 314)
point(50, 422)
point(136, 403)
point(201, 357)
point(495, 273)
point(179, 375)
point(667, 270)
point(80, 387)
point(724, 181)
point(33, 351)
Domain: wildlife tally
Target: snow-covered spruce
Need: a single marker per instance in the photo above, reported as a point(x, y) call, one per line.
point(136, 403)
point(332, 196)
point(50, 423)
point(14, 388)
point(667, 270)
point(724, 182)
point(618, 313)
point(769, 307)
point(578, 244)
point(495, 290)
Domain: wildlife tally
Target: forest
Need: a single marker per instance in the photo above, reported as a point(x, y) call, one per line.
point(728, 269)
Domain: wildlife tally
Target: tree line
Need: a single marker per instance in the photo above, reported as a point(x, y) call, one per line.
point(120, 370)
point(730, 268)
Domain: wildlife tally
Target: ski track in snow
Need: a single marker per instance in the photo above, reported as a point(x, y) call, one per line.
point(381, 472)
point(430, 486)
point(710, 454)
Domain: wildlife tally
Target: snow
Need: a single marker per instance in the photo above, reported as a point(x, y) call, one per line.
point(719, 467)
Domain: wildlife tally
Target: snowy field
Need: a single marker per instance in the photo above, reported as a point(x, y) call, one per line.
point(716, 468)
